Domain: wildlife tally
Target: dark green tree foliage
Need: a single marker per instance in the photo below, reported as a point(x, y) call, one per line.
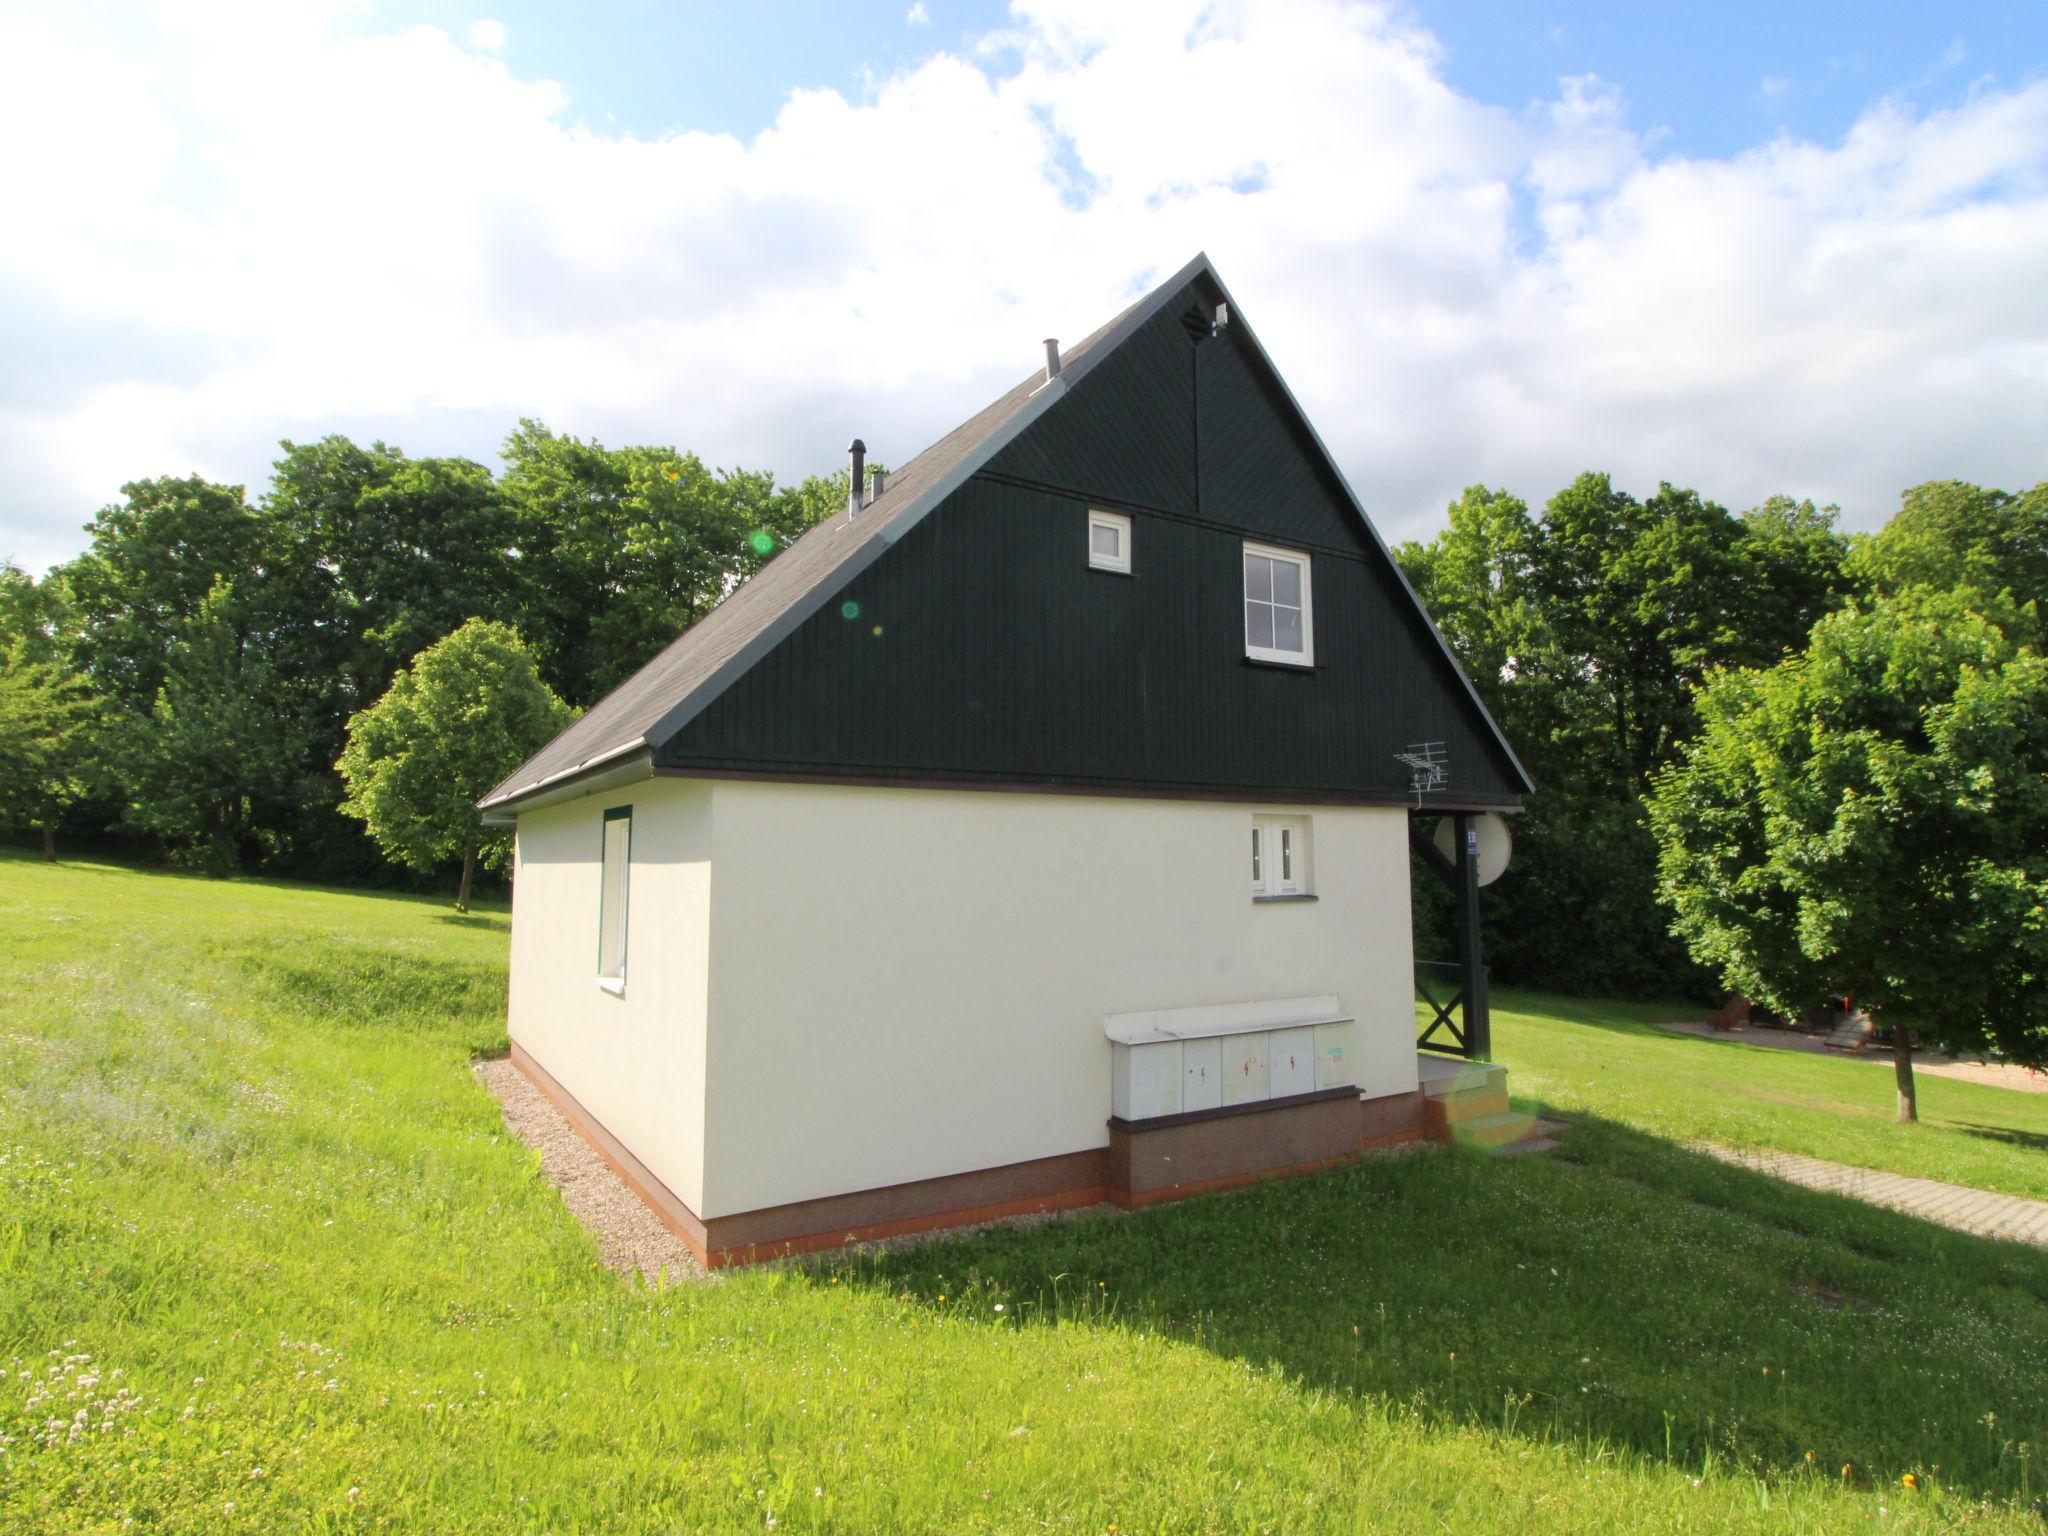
point(392, 553)
point(210, 769)
point(455, 722)
point(137, 592)
point(46, 719)
point(355, 561)
point(1870, 818)
point(1584, 630)
point(622, 549)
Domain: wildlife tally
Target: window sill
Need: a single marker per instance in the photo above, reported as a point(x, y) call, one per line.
point(616, 985)
point(1110, 570)
point(1284, 666)
point(1289, 896)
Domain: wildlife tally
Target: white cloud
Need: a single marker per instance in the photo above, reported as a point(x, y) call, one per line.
point(487, 34)
point(917, 16)
point(234, 229)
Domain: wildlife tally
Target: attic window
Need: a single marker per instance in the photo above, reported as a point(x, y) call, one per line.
point(1278, 615)
point(1109, 541)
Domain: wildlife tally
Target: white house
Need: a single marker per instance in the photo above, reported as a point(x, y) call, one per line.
point(1034, 832)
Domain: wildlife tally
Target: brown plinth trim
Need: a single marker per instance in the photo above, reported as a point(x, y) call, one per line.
point(1062, 1183)
point(660, 1199)
point(1224, 1111)
point(1071, 1181)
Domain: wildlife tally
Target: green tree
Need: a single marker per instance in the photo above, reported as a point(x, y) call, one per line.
point(46, 716)
point(211, 766)
point(465, 713)
point(399, 552)
point(1947, 534)
point(1870, 818)
point(154, 560)
point(622, 549)
point(1583, 629)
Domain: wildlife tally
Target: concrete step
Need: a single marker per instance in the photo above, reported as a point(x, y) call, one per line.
point(1494, 1131)
point(1525, 1146)
point(1440, 1075)
point(1469, 1104)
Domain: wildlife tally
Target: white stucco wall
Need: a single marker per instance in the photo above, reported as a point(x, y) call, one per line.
point(635, 1061)
point(908, 983)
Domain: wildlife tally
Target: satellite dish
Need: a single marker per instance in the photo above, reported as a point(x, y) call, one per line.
point(1494, 843)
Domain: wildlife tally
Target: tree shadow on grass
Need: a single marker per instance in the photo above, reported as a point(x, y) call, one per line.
point(501, 921)
point(2033, 1141)
point(1627, 1292)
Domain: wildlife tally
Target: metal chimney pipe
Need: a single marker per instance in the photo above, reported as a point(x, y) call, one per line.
point(879, 479)
point(1052, 358)
point(859, 452)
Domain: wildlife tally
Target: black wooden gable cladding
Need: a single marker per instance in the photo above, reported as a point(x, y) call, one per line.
point(982, 649)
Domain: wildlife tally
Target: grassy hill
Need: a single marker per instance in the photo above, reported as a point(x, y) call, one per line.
point(268, 1261)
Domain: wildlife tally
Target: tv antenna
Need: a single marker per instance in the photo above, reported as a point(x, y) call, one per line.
point(1429, 768)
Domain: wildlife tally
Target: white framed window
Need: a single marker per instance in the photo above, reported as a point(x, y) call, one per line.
point(614, 876)
point(1279, 617)
point(1280, 857)
point(1109, 541)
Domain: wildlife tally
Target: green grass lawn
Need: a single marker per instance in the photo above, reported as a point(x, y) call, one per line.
point(262, 1228)
point(1610, 1060)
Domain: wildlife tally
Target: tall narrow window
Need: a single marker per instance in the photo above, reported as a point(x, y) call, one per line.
point(1278, 613)
point(617, 864)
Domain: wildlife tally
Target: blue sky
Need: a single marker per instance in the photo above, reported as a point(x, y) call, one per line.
point(1711, 79)
point(1755, 249)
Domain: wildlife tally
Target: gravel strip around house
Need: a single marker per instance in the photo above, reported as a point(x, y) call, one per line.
point(630, 1237)
point(1976, 1211)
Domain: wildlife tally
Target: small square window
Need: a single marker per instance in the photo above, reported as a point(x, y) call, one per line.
point(1280, 857)
point(1109, 541)
point(1278, 614)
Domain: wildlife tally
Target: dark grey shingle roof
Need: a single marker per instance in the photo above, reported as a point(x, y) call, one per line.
point(663, 696)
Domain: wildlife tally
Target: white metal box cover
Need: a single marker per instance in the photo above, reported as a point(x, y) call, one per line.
point(1246, 1079)
point(1333, 1055)
point(1201, 1074)
point(1145, 1080)
point(1292, 1061)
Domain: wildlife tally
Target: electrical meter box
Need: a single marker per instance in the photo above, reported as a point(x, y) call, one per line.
point(1179, 1061)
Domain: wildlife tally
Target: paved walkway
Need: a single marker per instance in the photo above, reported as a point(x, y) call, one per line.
point(1952, 1205)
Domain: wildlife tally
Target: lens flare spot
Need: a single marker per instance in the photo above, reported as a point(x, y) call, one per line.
point(849, 609)
point(762, 540)
point(878, 631)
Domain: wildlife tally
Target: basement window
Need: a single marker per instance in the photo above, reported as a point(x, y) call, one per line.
point(1109, 541)
point(616, 863)
point(1280, 858)
point(1278, 615)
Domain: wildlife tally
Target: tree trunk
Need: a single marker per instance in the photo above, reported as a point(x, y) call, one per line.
point(468, 869)
point(49, 838)
point(1902, 1070)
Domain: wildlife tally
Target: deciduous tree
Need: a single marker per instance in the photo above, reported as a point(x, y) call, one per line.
point(1870, 817)
point(466, 712)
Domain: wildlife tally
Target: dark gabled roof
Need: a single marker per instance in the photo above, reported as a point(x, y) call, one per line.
point(656, 702)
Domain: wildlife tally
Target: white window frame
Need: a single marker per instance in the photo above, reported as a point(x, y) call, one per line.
point(1306, 656)
point(1281, 858)
point(613, 979)
point(1120, 562)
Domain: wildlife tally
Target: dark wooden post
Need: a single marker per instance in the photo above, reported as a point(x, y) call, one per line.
point(1478, 1016)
